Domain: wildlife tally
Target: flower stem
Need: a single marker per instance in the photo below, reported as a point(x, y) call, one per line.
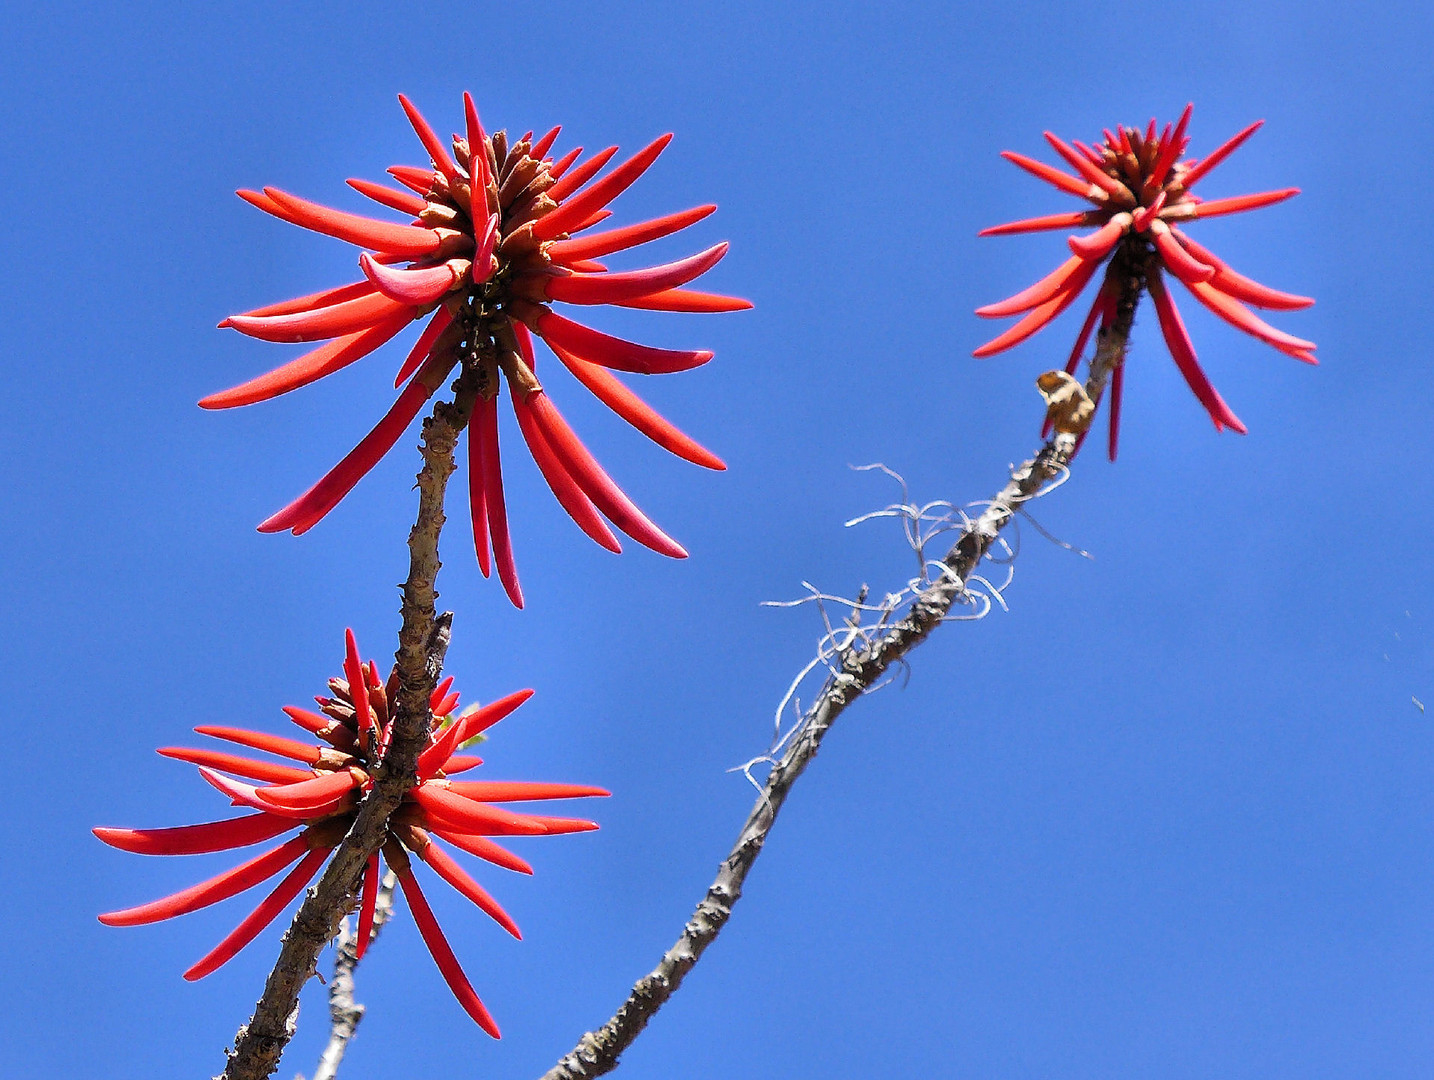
point(1126, 274)
point(859, 669)
point(422, 644)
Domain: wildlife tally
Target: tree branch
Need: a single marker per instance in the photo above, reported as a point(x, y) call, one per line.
point(422, 644)
point(344, 1012)
point(861, 668)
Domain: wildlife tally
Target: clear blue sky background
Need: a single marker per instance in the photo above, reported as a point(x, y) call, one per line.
point(1169, 816)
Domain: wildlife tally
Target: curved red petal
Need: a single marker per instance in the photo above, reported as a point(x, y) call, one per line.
point(408, 241)
point(613, 393)
point(306, 511)
point(198, 839)
point(267, 911)
point(613, 352)
point(605, 243)
point(220, 887)
point(442, 954)
point(267, 772)
point(565, 489)
point(595, 482)
point(444, 866)
point(572, 212)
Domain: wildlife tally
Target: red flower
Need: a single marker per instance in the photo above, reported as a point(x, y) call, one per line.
point(487, 259)
point(322, 797)
point(1142, 194)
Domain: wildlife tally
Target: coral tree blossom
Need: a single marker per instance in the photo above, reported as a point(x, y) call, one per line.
point(320, 797)
point(492, 240)
point(1142, 191)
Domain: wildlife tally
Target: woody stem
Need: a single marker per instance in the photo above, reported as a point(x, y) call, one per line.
point(858, 669)
point(422, 644)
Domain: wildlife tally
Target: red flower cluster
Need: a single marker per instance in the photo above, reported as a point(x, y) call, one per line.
point(322, 797)
point(1142, 193)
point(491, 242)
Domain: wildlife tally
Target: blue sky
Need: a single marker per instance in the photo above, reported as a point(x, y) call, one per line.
point(1170, 815)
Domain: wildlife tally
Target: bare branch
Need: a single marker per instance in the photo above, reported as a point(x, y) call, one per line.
point(857, 658)
point(344, 1012)
point(422, 644)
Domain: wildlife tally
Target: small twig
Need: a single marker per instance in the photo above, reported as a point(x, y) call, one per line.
point(422, 644)
point(344, 1012)
point(863, 660)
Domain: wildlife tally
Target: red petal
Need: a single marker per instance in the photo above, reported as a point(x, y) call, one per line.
point(1071, 184)
point(1039, 316)
point(1239, 286)
point(434, 756)
point(267, 772)
point(464, 815)
point(477, 500)
point(543, 145)
point(254, 924)
point(310, 794)
point(1183, 352)
point(424, 345)
point(1242, 318)
point(306, 511)
point(430, 140)
point(1236, 204)
point(241, 794)
point(258, 740)
point(598, 348)
point(220, 887)
point(520, 791)
point(1218, 155)
point(1117, 386)
point(326, 298)
point(367, 906)
point(477, 137)
point(579, 176)
point(613, 393)
point(312, 366)
point(444, 866)
point(198, 839)
point(1036, 294)
point(392, 198)
point(688, 300)
point(605, 243)
point(1177, 260)
point(1074, 219)
point(483, 438)
point(1170, 149)
point(362, 313)
point(595, 482)
point(565, 489)
point(1112, 187)
point(557, 168)
point(413, 177)
point(577, 209)
point(485, 849)
point(560, 825)
point(1102, 242)
point(442, 954)
point(630, 284)
point(440, 692)
point(408, 241)
point(358, 692)
point(416, 288)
